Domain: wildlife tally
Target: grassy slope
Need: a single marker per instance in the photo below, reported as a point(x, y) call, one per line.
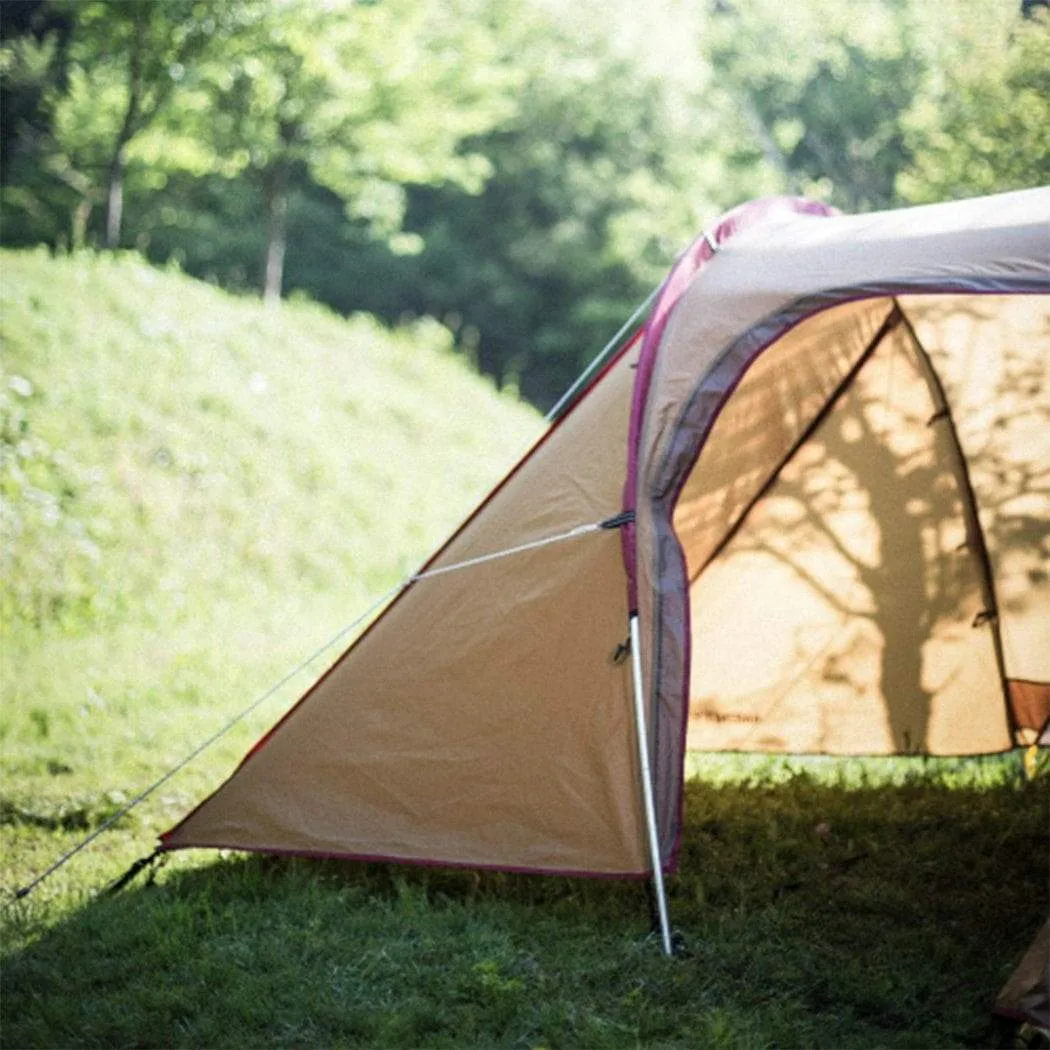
point(203, 492)
point(197, 493)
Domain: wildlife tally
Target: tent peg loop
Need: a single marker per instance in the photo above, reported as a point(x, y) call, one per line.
point(143, 862)
point(617, 521)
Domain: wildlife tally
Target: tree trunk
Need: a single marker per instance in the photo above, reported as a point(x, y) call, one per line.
point(275, 194)
point(129, 127)
point(115, 199)
point(80, 224)
point(770, 149)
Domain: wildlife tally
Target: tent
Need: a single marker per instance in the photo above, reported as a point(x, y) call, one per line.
point(808, 501)
point(1025, 997)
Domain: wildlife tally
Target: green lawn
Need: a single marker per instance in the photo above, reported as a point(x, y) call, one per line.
point(812, 914)
point(198, 492)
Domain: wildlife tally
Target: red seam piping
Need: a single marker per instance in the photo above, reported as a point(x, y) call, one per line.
point(376, 858)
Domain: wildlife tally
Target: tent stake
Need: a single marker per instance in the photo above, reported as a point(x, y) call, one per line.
point(647, 786)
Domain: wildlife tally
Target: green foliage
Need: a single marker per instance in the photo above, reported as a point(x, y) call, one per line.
point(362, 99)
point(115, 75)
point(596, 185)
point(522, 170)
point(34, 204)
point(136, 403)
point(822, 93)
point(985, 129)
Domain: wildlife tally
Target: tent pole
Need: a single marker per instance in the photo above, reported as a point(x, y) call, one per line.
point(647, 786)
point(627, 328)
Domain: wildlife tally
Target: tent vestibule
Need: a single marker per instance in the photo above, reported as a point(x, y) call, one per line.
point(832, 444)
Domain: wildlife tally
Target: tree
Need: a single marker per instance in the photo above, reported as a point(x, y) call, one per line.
point(34, 65)
point(34, 43)
point(109, 71)
point(358, 99)
point(822, 92)
point(602, 172)
point(983, 129)
point(128, 60)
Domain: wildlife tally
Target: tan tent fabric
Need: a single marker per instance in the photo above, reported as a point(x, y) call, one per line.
point(991, 353)
point(844, 605)
point(481, 721)
point(1026, 995)
point(762, 290)
point(842, 542)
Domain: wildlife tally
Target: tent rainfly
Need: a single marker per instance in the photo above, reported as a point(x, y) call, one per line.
point(809, 498)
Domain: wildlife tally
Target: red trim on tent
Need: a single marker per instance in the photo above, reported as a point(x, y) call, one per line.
point(1029, 703)
point(418, 862)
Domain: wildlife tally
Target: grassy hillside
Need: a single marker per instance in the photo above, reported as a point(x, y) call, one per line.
point(197, 492)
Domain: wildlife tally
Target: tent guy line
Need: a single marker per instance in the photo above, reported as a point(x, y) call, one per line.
point(616, 521)
point(628, 328)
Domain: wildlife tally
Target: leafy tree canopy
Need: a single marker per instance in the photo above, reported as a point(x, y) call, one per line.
point(524, 170)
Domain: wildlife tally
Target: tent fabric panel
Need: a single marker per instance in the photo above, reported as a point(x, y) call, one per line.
point(1026, 995)
point(840, 619)
point(778, 398)
point(453, 731)
point(663, 575)
point(460, 748)
point(1030, 704)
point(993, 356)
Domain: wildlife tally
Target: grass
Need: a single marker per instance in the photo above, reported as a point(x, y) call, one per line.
point(812, 914)
point(196, 493)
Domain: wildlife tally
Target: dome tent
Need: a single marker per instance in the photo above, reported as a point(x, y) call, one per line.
point(813, 486)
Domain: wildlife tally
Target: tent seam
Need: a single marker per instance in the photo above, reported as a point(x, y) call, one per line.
point(972, 517)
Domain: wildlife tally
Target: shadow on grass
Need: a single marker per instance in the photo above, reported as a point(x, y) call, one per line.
point(812, 914)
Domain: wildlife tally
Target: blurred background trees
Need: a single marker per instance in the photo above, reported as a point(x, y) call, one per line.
point(522, 170)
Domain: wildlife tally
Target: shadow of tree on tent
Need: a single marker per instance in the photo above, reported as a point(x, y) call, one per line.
point(871, 621)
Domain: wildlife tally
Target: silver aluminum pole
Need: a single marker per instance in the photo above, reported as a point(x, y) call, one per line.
point(647, 786)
